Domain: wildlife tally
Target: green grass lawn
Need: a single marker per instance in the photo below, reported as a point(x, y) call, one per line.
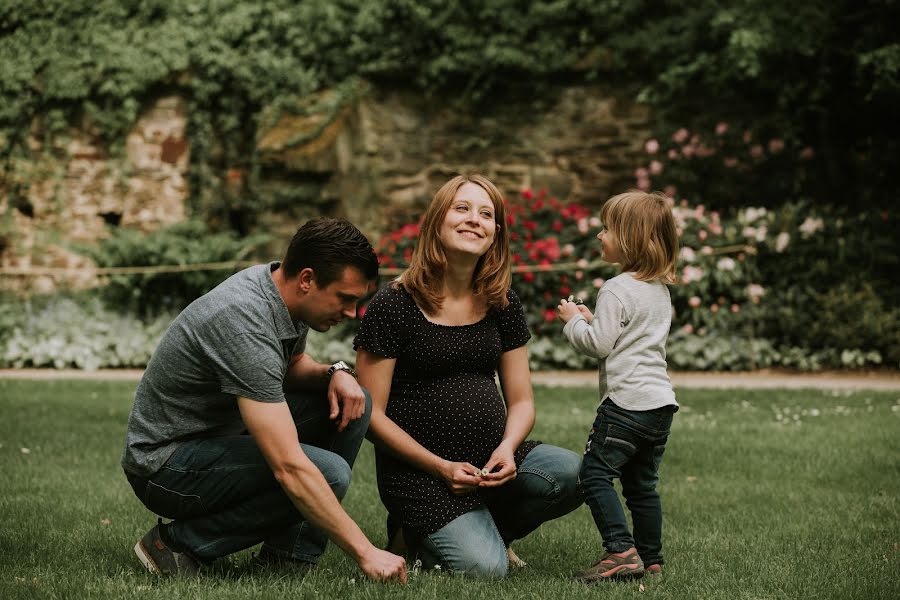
point(766, 494)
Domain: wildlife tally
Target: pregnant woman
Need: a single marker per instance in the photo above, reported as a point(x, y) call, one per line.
point(455, 471)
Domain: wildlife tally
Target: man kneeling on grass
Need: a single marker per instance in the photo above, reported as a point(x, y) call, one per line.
point(215, 442)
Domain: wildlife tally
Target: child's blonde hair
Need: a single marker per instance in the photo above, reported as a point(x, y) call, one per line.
point(645, 231)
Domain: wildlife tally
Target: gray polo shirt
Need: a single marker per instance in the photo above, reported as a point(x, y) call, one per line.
point(628, 337)
point(237, 340)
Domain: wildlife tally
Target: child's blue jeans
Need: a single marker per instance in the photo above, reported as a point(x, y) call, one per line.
point(627, 445)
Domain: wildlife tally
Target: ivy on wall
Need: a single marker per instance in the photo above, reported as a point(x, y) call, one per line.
point(823, 74)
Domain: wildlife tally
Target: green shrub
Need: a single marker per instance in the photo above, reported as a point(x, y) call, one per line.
point(187, 243)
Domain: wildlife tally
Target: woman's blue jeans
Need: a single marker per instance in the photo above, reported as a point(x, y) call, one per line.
point(545, 487)
point(223, 496)
point(627, 445)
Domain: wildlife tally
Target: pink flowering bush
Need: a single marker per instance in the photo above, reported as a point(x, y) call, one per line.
point(555, 254)
point(726, 166)
point(747, 296)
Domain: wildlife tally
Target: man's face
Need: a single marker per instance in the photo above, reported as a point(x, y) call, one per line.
point(324, 307)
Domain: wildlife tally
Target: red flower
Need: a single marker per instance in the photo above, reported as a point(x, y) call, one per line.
point(557, 226)
point(361, 312)
point(527, 194)
point(565, 290)
point(549, 315)
point(528, 277)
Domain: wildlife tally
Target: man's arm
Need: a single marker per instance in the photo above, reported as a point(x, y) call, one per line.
point(345, 397)
point(272, 427)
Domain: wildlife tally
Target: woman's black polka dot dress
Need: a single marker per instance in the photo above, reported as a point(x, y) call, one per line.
point(443, 394)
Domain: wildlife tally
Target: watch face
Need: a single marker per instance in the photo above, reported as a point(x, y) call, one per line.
point(338, 366)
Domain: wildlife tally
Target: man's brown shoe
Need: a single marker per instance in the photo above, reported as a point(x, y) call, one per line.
point(162, 560)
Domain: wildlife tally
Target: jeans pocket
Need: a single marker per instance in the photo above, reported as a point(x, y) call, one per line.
point(171, 504)
point(617, 447)
point(658, 451)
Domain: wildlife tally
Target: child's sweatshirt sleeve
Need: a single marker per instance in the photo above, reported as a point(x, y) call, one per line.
point(598, 338)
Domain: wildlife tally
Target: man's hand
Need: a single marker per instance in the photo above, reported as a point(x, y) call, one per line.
point(460, 477)
point(346, 399)
point(381, 565)
point(503, 458)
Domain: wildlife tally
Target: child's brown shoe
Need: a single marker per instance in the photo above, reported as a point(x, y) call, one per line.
point(618, 566)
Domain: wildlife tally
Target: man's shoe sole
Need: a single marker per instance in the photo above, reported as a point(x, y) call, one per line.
point(145, 559)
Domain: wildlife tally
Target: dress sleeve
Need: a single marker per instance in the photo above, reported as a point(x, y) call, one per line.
point(513, 325)
point(386, 324)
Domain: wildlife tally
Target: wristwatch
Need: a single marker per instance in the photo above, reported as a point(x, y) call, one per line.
point(340, 366)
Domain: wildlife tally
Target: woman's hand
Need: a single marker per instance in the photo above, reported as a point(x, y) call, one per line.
point(460, 477)
point(500, 468)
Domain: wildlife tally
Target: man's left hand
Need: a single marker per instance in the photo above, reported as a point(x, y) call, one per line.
point(346, 399)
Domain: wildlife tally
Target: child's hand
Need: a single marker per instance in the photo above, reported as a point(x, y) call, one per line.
point(567, 310)
point(584, 310)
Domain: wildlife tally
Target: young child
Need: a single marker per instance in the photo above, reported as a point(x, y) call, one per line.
point(627, 333)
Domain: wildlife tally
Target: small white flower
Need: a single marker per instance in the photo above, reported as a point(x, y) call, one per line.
point(782, 241)
point(690, 274)
point(810, 226)
point(754, 290)
point(726, 264)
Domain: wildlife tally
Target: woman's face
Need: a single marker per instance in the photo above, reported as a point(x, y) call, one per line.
point(469, 225)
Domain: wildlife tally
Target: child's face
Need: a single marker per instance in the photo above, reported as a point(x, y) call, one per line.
point(609, 246)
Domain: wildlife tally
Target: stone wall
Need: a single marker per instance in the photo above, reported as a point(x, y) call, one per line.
point(375, 156)
point(385, 153)
point(73, 199)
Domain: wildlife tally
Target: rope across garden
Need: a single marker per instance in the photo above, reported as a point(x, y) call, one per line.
point(235, 265)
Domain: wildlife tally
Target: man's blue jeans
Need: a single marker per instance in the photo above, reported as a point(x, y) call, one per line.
point(546, 487)
point(223, 496)
point(627, 445)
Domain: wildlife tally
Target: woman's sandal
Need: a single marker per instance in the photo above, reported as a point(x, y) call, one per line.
point(514, 559)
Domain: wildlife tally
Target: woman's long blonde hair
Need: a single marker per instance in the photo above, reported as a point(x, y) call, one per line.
point(424, 277)
point(645, 231)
